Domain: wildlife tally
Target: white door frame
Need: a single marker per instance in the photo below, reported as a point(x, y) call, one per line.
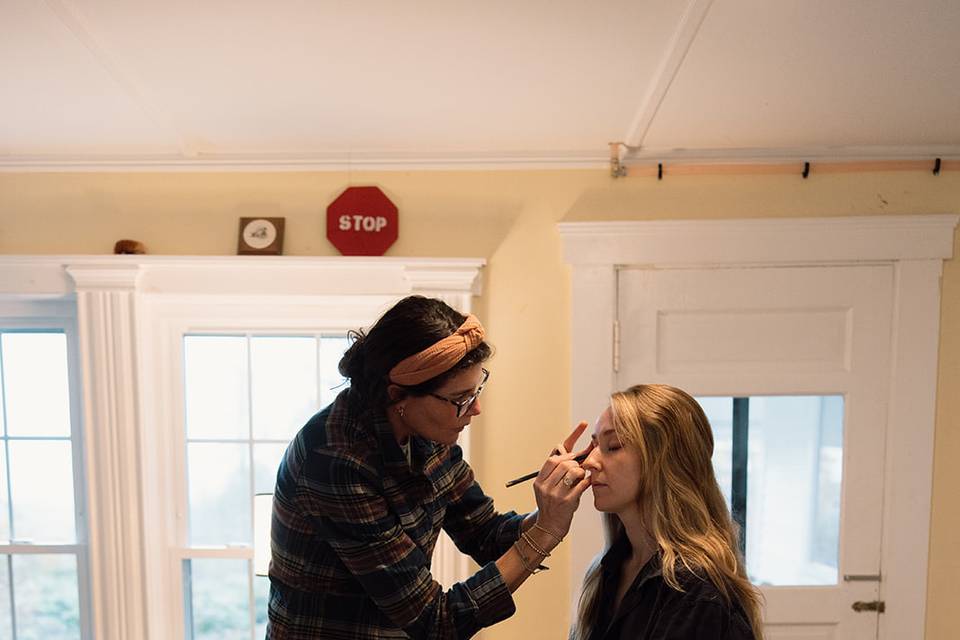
point(916, 247)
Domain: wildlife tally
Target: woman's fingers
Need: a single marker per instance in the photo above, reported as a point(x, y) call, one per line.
point(562, 451)
point(550, 465)
point(571, 440)
point(573, 477)
point(581, 486)
point(558, 494)
point(566, 468)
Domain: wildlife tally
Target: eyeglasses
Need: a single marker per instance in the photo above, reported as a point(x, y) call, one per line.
point(464, 405)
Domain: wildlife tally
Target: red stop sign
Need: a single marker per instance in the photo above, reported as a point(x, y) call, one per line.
point(362, 222)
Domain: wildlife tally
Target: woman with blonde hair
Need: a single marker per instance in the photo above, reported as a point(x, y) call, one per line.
point(670, 569)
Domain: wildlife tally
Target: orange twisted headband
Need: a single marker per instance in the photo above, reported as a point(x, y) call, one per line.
point(439, 357)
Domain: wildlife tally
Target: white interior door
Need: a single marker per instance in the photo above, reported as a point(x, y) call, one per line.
point(808, 351)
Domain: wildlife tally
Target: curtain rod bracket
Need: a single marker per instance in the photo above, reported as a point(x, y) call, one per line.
point(617, 168)
point(619, 151)
point(936, 167)
point(806, 170)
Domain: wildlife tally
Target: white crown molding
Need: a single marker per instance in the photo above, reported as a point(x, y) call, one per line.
point(52, 276)
point(296, 161)
point(451, 278)
point(759, 241)
point(598, 158)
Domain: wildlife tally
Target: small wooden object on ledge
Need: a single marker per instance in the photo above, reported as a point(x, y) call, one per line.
point(129, 247)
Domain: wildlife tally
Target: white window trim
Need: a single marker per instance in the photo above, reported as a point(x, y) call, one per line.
point(127, 307)
point(916, 247)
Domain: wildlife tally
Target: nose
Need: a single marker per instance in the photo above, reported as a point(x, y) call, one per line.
point(475, 407)
point(592, 462)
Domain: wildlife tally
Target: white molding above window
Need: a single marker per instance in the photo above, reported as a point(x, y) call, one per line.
point(239, 275)
point(677, 243)
point(916, 247)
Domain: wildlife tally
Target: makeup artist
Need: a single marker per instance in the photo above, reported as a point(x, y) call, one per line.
point(366, 486)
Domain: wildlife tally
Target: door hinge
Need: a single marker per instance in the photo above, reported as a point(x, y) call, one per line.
point(616, 346)
point(875, 605)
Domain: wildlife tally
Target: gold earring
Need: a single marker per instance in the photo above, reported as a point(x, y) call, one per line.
point(400, 411)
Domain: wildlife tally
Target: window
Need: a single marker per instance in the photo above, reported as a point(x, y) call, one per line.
point(142, 562)
point(779, 463)
point(245, 397)
point(41, 556)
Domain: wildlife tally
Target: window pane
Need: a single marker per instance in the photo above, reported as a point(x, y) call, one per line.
point(719, 412)
point(286, 375)
point(219, 599)
point(826, 542)
point(216, 393)
point(284, 385)
point(266, 460)
point(45, 597)
point(219, 479)
point(331, 382)
point(36, 385)
point(41, 479)
point(6, 619)
point(262, 513)
point(4, 496)
point(261, 594)
point(3, 410)
point(793, 489)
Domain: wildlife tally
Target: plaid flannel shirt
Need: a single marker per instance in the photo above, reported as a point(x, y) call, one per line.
point(353, 530)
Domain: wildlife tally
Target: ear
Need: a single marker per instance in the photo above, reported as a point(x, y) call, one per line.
point(396, 392)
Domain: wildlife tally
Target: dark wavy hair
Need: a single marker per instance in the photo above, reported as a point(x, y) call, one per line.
point(408, 327)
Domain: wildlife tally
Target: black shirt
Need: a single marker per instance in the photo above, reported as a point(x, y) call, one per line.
point(653, 610)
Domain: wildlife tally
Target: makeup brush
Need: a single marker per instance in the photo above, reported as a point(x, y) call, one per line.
point(531, 476)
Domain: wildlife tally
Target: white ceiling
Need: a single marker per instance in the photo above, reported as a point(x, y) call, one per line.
point(321, 83)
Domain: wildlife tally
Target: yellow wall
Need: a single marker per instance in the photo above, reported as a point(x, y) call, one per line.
point(508, 218)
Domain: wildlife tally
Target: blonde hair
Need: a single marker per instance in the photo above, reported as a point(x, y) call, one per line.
point(686, 512)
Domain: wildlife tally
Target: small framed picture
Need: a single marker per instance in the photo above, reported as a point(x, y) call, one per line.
point(260, 236)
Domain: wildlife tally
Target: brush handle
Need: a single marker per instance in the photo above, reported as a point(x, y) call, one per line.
point(531, 476)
